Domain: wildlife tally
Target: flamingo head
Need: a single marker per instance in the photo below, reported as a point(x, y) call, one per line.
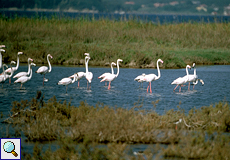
point(2, 50)
point(193, 65)
point(1, 46)
point(119, 60)
point(188, 66)
point(20, 53)
point(33, 64)
point(143, 74)
point(49, 55)
point(87, 57)
point(113, 63)
point(86, 54)
point(29, 59)
point(159, 60)
point(12, 62)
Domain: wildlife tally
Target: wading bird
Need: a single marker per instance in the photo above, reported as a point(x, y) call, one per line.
point(25, 79)
point(140, 79)
point(1, 50)
point(152, 77)
point(44, 69)
point(110, 77)
point(20, 74)
point(181, 80)
point(8, 71)
point(67, 81)
point(107, 73)
point(88, 75)
point(3, 77)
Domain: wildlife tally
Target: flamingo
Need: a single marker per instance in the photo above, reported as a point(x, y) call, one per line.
point(7, 76)
point(105, 74)
point(25, 79)
point(8, 71)
point(67, 81)
point(111, 77)
point(140, 78)
point(44, 69)
point(152, 77)
point(88, 75)
point(1, 50)
point(80, 74)
point(3, 78)
point(181, 80)
point(20, 74)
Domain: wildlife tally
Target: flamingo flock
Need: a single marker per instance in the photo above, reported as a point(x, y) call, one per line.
point(23, 77)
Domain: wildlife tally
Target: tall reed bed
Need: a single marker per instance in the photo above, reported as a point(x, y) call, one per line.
point(106, 40)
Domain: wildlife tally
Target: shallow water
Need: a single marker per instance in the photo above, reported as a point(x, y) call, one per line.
point(125, 91)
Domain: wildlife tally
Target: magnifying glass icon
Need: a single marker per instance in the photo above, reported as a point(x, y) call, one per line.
point(9, 147)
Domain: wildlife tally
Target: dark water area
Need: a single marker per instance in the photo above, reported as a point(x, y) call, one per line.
point(154, 18)
point(124, 91)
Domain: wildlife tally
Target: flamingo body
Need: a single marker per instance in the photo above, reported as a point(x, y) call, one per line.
point(67, 81)
point(20, 74)
point(152, 77)
point(79, 76)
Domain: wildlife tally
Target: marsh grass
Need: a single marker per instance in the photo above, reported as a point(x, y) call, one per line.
point(203, 133)
point(107, 40)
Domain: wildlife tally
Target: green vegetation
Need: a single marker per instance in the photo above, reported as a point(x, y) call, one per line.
point(201, 134)
point(138, 44)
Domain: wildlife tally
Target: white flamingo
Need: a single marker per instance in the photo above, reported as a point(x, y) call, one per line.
point(7, 76)
point(8, 71)
point(67, 81)
point(110, 77)
point(1, 50)
point(140, 78)
point(152, 77)
point(25, 79)
point(80, 75)
point(181, 80)
point(88, 75)
point(20, 74)
point(105, 74)
point(44, 69)
point(3, 78)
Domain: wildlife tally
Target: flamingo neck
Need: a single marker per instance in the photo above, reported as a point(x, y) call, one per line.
point(112, 69)
point(74, 78)
point(50, 68)
point(86, 65)
point(11, 71)
point(117, 68)
point(4, 73)
point(194, 70)
point(17, 62)
point(187, 72)
point(30, 73)
point(158, 69)
point(28, 68)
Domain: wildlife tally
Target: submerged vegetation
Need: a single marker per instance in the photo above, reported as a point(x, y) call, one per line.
point(139, 44)
point(202, 133)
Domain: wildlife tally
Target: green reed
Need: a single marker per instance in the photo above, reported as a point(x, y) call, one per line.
point(107, 40)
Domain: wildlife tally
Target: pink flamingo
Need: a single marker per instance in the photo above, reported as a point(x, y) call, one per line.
point(152, 77)
point(181, 80)
point(110, 77)
point(107, 73)
point(20, 74)
point(44, 69)
point(67, 81)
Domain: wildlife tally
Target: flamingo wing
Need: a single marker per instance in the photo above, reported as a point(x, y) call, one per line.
point(65, 81)
point(22, 79)
point(110, 77)
point(42, 70)
point(149, 77)
point(20, 74)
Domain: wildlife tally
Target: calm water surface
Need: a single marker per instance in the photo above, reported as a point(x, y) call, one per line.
point(125, 91)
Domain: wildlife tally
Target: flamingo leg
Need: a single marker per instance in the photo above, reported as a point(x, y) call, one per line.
point(21, 86)
point(109, 85)
point(78, 83)
point(193, 86)
point(176, 87)
point(180, 89)
point(87, 84)
point(43, 80)
point(189, 86)
point(147, 88)
point(150, 87)
point(105, 83)
point(10, 80)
